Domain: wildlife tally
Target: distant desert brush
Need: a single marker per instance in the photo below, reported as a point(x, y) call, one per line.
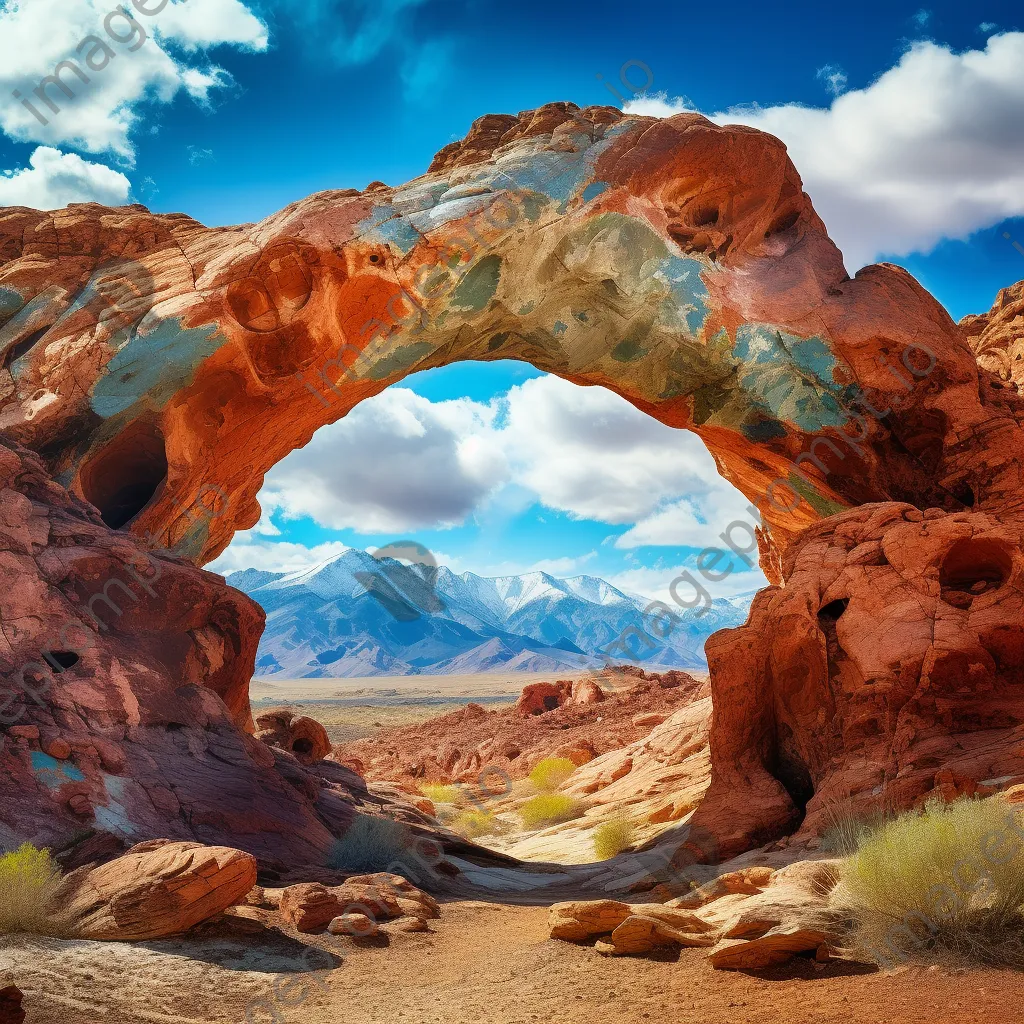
point(473, 824)
point(550, 773)
point(611, 838)
point(549, 809)
point(440, 793)
point(28, 883)
point(371, 844)
point(946, 882)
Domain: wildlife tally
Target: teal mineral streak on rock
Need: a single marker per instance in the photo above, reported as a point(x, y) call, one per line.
point(154, 366)
point(112, 817)
point(478, 286)
point(10, 302)
point(560, 328)
point(53, 773)
point(594, 189)
point(401, 359)
point(792, 377)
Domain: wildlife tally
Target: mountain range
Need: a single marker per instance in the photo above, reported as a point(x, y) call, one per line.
point(357, 615)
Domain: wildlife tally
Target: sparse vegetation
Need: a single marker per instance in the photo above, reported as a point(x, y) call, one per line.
point(439, 793)
point(945, 882)
point(473, 824)
point(549, 809)
point(370, 844)
point(611, 838)
point(28, 884)
point(550, 773)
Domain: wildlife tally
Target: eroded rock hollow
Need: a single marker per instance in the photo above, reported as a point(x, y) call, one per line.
point(156, 369)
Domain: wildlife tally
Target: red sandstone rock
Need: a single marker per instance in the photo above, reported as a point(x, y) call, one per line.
point(157, 889)
point(997, 337)
point(304, 737)
point(10, 1005)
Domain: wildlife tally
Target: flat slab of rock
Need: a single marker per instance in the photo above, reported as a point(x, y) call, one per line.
point(158, 889)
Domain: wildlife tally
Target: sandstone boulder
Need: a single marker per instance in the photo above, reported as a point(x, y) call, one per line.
point(157, 889)
point(10, 1005)
point(359, 926)
point(304, 737)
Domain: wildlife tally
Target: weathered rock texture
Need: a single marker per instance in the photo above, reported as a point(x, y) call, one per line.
point(159, 368)
point(306, 738)
point(997, 337)
point(157, 889)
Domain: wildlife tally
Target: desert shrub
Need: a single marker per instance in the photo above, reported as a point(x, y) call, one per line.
point(549, 809)
point(550, 773)
point(28, 884)
point(439, 793)
point(473, 824)
point(370, 844)
point(948, 880)
point(611, 838)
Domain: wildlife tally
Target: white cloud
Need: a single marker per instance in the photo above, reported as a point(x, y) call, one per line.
point(397, 462)
point(54, 179)
point(588, 452)
point(931, 150)
point(117, 63)
point(834, 77)
point(655, 583)
point(246, 552)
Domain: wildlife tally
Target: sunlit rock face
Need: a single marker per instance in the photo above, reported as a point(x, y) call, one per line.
point(889, 670)
point(159, 368)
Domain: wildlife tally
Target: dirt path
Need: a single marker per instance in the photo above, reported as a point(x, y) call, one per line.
point(483, 964)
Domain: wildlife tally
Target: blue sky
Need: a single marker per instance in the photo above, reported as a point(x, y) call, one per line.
point(231, 109)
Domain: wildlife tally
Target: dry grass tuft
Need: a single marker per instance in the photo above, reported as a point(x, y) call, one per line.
point(943, 883)
point(549, 809)
point(550, 773)
point(611, 838)
point(29, 879)
point(439, 793)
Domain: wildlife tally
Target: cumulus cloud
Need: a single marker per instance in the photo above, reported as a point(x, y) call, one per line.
point(247, 551)
point(397, 462)
point(53, 179)
point(108, 64)
point(931, 150)
point(654, 583)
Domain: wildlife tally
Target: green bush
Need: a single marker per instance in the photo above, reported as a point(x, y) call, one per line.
point(371, 844)
point(945, 880)
point(611, 838)
point(28, 883)
point(439, 793)
point(550, 773)
point(549, 809)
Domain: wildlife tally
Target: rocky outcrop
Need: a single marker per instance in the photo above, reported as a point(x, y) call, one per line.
point(473, 745)
point(304, 737)
point(997, 337)
point(749, 919)
point(886, 671)
point(156, 889)
point(158, 369)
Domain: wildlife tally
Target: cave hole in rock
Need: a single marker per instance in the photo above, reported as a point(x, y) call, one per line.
point(61, 660)
point(123, 478)
point(303, 746)
point(974, 566)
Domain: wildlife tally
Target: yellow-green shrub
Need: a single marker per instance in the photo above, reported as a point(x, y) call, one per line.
point(550, 773)
point(28, 883)
point(611, 838)
point(549, 809)
point(439, 793)
point(948, 878)
point(473, 824)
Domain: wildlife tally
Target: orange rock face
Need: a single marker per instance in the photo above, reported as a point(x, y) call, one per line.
point(158, 369)
point(997, 337)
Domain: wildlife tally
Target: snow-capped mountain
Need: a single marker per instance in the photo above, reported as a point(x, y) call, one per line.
point(357, 615)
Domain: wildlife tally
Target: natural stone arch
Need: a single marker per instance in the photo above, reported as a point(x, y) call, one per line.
point(153, 362)
point(675, 262)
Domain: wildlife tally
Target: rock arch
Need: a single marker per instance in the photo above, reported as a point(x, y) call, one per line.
point(676, 262)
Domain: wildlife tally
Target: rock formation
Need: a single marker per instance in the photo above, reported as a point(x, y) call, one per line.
point(158, 369)
point(997, 337)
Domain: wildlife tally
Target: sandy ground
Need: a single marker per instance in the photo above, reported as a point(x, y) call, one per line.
point(482, 964)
